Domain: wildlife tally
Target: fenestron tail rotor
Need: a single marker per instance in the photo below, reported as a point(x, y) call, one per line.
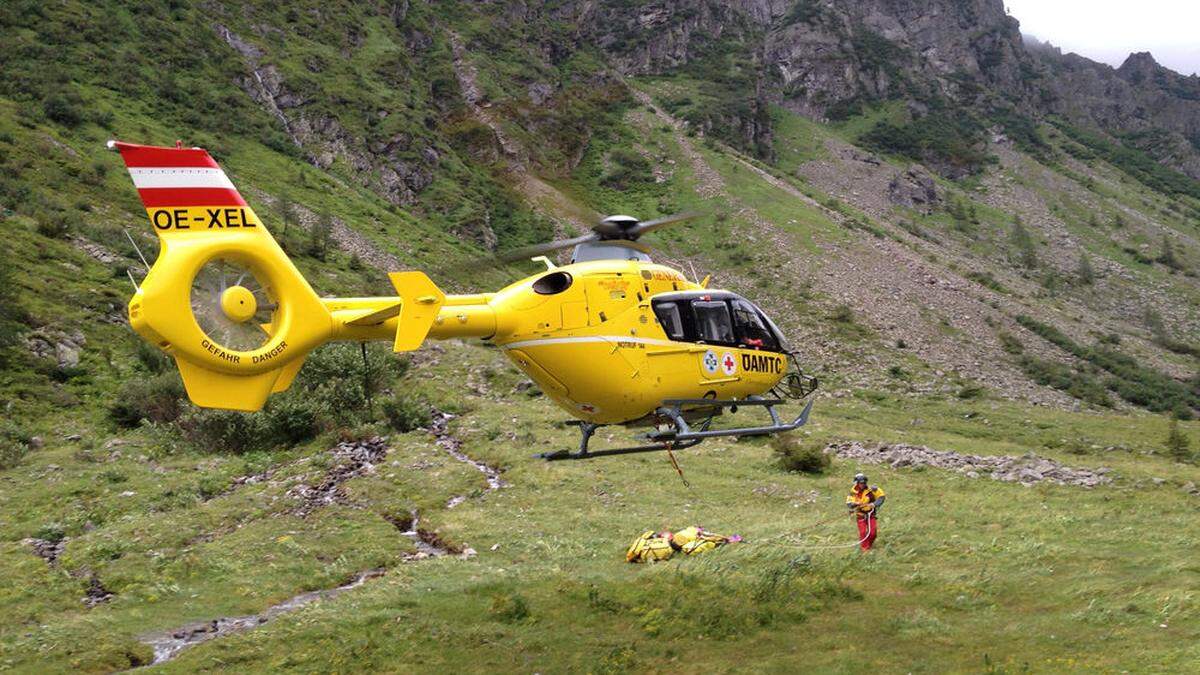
point(232, 305)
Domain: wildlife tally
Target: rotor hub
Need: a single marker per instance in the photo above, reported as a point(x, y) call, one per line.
point(238, 303)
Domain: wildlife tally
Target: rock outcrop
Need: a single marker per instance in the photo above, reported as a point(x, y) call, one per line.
point(1027, 469)
point(823, 57)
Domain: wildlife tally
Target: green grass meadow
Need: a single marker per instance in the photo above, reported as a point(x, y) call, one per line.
point(968, 575)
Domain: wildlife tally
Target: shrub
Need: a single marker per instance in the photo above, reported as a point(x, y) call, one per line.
point(1023, 241)
point(794, 456)
point(951, 140)
point(151, 358)
point(51, 532)
point(64, 108)
point(225, 431)
point(293, 419)
point(55, 223)
point(14, 444)
point(986, 280)
point(11, 452)
point(11, 315)
point(971, 391)
point(842, 314)
point(1082, 386)
point(1087, 276)
point(1177, 444)
point(319, 236)
point(1140, 385)
point(628, 168)
point(155, 399)
point(1010, 343)
point(509, 608)
point(406, 412)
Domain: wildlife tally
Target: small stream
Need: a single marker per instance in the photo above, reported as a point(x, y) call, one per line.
point(168, 644)
point(453, 447)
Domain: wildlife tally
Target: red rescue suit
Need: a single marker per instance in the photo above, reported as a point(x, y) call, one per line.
point(862, 501)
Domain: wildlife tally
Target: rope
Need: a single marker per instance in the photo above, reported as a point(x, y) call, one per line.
point(675, 464)
point(806, 528)
point(367, 380)
point(823, 547)
point(870, 522)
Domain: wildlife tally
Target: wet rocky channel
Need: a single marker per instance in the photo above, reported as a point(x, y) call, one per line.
point(168, 644)
point(453, 447)
point(355, 459)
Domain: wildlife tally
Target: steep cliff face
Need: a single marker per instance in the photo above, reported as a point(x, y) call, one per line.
point(824, 58)
point(835, 52)
point(1153, 108)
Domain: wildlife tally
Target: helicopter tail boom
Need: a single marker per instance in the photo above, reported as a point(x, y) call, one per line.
point(224, 299)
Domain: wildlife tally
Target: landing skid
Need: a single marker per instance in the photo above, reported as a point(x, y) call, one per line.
point(682, 435)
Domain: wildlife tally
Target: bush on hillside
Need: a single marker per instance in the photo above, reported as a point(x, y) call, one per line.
point(842, 314)
point(11, 315)
point(406, 412)
point(225, 431)
point(154, 399)
point(1128, 377)
point(793, 455)
point(1179, 448)
point(1081, 385)
point(65, 108)
point(628, 168)
point(953, 142)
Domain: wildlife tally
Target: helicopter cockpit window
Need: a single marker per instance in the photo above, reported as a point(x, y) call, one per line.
point(671, 320)
point(752, 331)
point(712, 322)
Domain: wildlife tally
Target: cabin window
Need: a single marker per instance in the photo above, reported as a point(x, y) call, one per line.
point(713, 324)
point(670, 319)
point(752, 330)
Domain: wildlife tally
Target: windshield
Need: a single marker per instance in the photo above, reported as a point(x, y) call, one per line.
point(598, 251)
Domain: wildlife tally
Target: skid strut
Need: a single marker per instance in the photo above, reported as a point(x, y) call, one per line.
point(682, 435)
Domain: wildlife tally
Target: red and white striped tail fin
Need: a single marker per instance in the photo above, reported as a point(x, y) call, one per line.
point(184, 190)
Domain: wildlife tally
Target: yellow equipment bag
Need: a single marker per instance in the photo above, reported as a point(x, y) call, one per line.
point(687, 535)
point(704, 542)
point(649, 547)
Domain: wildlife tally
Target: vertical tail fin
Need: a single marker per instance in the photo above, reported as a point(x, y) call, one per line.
point(222, 298)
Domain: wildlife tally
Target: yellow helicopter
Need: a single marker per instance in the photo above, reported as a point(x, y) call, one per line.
point(612, 337)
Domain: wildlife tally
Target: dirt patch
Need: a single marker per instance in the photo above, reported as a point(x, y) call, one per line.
point(354, 459)
point(1026, 469)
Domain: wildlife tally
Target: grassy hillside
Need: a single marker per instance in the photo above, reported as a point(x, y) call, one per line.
point(1047, 304)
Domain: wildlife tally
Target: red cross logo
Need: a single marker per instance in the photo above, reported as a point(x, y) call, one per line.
point(728, 362)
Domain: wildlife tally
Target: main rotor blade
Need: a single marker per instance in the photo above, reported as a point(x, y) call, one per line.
point(652, 225)
point(528, 252)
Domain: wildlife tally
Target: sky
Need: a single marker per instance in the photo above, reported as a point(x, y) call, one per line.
point(1108, 30)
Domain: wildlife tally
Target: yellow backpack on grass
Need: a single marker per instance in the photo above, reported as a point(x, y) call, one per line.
point(649, 547)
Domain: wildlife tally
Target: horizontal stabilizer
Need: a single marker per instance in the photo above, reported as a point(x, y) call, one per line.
point(374, 317)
